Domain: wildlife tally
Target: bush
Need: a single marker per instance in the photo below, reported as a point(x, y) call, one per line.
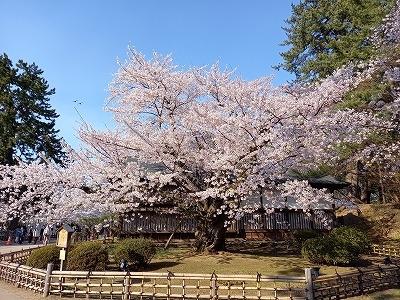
point(87, 256)
point(137, 252)
point(342, 246)
point(301, 236)
point(356, 240)
point(40, 257)
point(327, 250)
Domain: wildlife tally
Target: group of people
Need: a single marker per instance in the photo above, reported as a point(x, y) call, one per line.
point(33, 234)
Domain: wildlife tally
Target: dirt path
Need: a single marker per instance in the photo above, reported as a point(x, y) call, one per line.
point(10, 292)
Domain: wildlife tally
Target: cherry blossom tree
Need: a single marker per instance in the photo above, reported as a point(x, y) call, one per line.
point(46, 192)
point(204, 139)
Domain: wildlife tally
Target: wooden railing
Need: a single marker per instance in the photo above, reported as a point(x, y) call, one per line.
point(386, 250)
point(127, 285)
point(357, 283)
point(23, 276)
point(135, 285)
point(17, 256)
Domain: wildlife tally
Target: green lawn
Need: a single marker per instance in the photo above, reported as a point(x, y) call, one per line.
point(183, 260)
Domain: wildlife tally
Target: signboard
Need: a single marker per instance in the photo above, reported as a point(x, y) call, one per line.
point(62, 238)
point(62, 254)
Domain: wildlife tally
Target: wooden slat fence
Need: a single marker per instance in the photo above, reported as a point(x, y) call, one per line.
point(386, 250)
point(346, 285)
point(17, 256)
point(153, 222)
point(145, 285)
point(125, 285)
point(287, 219)
point(23, 276)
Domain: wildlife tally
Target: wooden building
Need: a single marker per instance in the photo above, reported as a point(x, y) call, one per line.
point(275, 222)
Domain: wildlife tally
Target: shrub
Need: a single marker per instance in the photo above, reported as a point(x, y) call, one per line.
point(342, 246)
point(137, 252)
point(87, 256)
point(40, 257)
point(328, 250)
point(356, 241)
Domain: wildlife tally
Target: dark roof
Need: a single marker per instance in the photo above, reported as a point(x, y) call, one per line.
point(327, 182)
point(67, 228)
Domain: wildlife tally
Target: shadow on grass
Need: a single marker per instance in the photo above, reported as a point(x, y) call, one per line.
point(154, 266)
point(294, 271)
point(263, 248)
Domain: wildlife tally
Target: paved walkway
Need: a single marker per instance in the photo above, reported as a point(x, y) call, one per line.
point(16, 247)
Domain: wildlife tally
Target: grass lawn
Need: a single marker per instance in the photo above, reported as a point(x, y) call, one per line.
point(183, 260)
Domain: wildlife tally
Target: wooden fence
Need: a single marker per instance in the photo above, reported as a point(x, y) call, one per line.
point(23, 276)
point(356, 283)
point(18, 256)
point(386, 250)
point(144, 285)
point(154, 222)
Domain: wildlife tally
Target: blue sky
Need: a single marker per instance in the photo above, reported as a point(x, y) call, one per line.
point(77, 43)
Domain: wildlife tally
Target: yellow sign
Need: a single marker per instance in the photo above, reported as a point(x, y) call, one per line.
point(62, 239)
point(62, 254)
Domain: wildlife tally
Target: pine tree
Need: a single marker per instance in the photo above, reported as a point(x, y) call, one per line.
point(323, 35)
point(26, 118)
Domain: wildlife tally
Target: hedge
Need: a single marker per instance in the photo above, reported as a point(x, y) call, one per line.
point(137, 252)
point(87, 256)
point(39, 258)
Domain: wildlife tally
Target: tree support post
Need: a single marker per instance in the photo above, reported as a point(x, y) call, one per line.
point(47, 280)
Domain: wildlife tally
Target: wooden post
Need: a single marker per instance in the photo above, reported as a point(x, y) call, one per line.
point(126, 288)
point(309, 284)
point(360, 282)
point(47, 280)
point(214, 294)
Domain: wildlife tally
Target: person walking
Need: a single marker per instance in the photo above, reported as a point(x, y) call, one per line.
point(36, 233)
point(46, 234)
point(30, 235)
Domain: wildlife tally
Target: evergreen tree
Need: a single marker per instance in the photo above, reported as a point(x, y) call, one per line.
point(26, 117)
point(323, 35)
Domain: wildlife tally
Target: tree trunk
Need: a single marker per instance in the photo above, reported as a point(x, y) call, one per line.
point(362, 189)
point(210, 234)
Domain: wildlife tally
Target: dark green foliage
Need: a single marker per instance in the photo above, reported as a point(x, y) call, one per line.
point(26, 117)
point(39, 258)
point(327, 250)
point(87, 256)
point(343, 246)
point(301, 236)
point(138, 252)
point(356, 240)
point(323, 35)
